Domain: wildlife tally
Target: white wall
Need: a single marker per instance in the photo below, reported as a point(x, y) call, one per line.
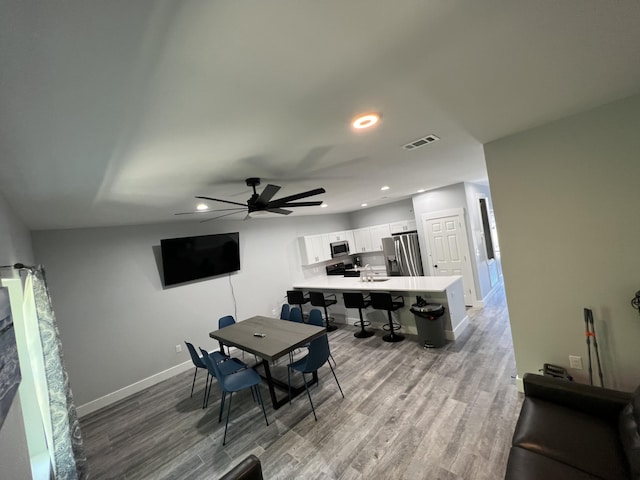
point(566, 198)
point(389, 213)
point(119, 326)
point(15, 246)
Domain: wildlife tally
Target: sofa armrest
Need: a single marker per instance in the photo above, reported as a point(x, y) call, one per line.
point(248, 469)
point(598, 401)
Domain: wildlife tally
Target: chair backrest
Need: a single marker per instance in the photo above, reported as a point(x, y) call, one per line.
point(197, 361)
point(318, 354)
point(381, 301)
point(296, 297)
point(315, 317)
point(284, 311)
point(353, 300)
point(211, 365)
point(295, 315)
point(226, 321)
point(317, 298)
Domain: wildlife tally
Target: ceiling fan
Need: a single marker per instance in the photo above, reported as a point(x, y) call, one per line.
point(263, 202)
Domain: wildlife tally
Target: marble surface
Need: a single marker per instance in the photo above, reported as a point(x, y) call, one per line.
point(390, 284)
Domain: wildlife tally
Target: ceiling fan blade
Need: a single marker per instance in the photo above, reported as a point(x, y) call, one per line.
point(223, 201)
point(210, 211)
point(281, 211)
point(281, 201)
point(266, 195)
point(300, 204)
point(219, 216)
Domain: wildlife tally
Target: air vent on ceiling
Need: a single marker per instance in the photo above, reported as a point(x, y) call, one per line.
point(421, 142)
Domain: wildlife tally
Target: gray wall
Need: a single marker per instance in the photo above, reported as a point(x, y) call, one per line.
point(119, 326)
point(566, 198)
point(15, 246)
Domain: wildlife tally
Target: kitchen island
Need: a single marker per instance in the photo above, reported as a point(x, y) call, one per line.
point(447, 291)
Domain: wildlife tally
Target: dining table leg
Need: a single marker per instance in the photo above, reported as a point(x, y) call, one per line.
point(273, 382)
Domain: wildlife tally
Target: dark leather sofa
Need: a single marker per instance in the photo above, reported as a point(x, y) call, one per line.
point(572, 431)
point(249, 468)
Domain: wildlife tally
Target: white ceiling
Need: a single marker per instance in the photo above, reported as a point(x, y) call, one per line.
point(119, 112)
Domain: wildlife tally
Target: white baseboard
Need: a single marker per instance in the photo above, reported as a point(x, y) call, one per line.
point(519, 384)
point(452, 335)
point(118, 395)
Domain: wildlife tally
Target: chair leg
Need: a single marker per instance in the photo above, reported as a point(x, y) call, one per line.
point(289, 382)
point(334, 376)
point(330, 327)
point(193, 384)
point(207, 391)
point(363, 333)
point(304, 379)
point(392, 336)
point(224, 395)
point(226, 423)
point(259, 395)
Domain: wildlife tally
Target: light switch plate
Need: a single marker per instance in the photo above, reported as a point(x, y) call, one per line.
point(575, 362)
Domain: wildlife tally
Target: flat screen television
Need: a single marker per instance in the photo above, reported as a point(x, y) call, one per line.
point(191, 258)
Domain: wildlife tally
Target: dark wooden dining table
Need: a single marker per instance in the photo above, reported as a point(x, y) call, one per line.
point(270, 338)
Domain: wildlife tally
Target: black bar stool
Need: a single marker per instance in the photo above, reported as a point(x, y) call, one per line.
point(384, 301)
point(357, 300)
point(318, 299)
point(297, 297)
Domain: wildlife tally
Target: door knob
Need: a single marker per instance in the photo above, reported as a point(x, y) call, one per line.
point(435, 266)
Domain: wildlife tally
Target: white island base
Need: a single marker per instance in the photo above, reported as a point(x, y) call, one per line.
point(446, 291)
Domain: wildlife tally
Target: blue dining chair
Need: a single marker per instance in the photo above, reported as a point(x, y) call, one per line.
point(198, 363)
point(315, 318)
point(295, 315)
point(284, 311)
point(318, 355)
point(225, 322)
point(230, 383)
point(227, 365)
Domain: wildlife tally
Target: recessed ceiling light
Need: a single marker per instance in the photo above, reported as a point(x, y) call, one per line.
point(386, 187)
point(324, 205)
point(363, 205)
point(421, 190)
point(202, 206)
point(366, 121)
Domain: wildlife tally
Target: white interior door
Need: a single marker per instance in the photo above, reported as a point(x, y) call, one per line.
point(448, 250)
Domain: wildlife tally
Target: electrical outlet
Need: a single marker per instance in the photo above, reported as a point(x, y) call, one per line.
point(178, 348)
point(575, 362)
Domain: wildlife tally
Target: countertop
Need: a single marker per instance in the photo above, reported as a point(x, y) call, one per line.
point(391, 284)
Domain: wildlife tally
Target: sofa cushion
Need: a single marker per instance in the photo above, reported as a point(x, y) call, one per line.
point(527, 465)
point(630, 434)
point(583, 441)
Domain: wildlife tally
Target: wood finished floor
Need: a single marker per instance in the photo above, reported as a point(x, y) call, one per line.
point(409, 413)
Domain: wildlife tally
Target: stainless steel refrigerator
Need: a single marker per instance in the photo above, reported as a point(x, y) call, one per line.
point(402, 255)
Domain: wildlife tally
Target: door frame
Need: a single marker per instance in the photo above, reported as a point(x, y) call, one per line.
point(470, 283)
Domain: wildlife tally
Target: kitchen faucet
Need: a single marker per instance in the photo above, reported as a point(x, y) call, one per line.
point(364, 270)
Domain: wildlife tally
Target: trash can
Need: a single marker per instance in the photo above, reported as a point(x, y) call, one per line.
point(430, 324)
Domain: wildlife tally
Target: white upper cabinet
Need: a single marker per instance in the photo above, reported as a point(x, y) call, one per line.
point(377, 234)
point(362, 240)
point(403, 226)
point(337, 236)
point(369, 239)
point(314, 249)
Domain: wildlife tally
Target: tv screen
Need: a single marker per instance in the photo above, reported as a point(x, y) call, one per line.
point(190, 258)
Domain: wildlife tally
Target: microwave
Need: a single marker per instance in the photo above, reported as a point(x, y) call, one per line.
point(339, 249)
